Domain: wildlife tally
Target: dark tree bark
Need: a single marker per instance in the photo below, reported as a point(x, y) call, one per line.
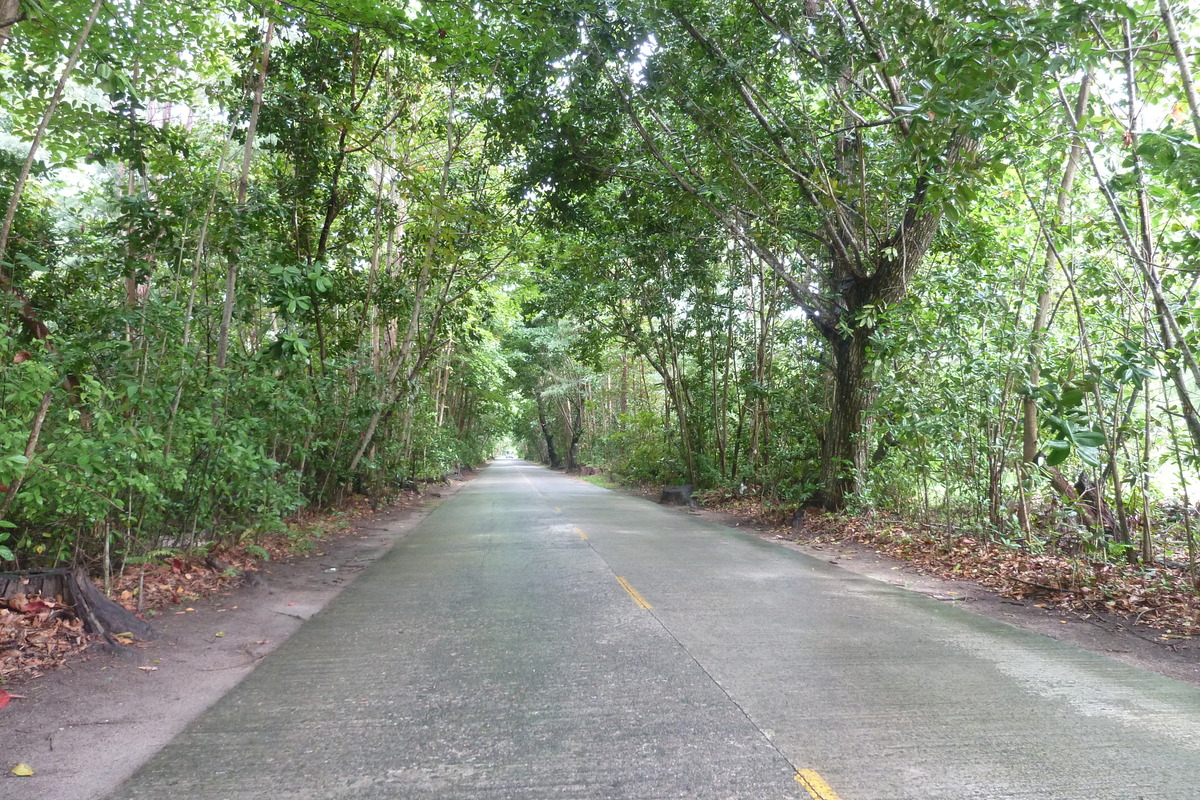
point(576, 434)
point(856, 278)
point(845, 445)
point(849, 327)
point(547, 434)
point(99, 614)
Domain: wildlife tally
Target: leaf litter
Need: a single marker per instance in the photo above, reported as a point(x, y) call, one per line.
point(1159, 598)
point(38, 634)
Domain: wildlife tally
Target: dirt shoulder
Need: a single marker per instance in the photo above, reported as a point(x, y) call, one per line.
point(86, 727)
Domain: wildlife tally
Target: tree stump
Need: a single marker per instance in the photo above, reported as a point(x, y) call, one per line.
point(800, 517)
point(677, 496)
point(100, 615)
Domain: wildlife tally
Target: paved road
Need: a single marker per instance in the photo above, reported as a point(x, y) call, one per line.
point(538, 637)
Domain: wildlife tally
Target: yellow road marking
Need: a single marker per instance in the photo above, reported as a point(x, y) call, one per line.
point(557, 509)
point(637, 598)
point(582, 535)
point(815, 785)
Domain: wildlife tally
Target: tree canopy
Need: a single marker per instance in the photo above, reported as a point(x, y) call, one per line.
point(932, 259)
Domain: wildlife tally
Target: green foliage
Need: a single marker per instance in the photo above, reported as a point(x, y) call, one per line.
point(781, 245)
point(258, 552)
point(642, 452)
point(364, 183)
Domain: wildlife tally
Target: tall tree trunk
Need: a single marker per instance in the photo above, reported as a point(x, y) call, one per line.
point(243, 191)
point(1029, 406)
point(846, 445)
point(22, 306)
point(400, 355)
point(194, 286)
point(576, 434)
point(10, 14)
point(547, 434)
point(623, 403)
point(1171, 336)
point(1148, 257)
point(40, 133)
point(1183, 62)
point(845, 448)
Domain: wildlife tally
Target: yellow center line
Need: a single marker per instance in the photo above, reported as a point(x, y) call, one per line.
point(815, 785)
point(582, 535)
point(637, 598)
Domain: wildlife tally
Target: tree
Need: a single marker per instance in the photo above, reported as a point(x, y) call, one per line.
point(828, 141)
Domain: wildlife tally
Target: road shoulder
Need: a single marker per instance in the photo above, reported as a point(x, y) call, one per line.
point(1096, 632)
point(1105, 634)
point(88, 726)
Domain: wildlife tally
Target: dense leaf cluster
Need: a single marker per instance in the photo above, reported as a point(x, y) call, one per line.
point(932, 258)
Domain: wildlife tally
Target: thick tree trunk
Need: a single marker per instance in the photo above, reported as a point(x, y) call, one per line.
point(573, 454)
point(548, 435)
point(845, 449)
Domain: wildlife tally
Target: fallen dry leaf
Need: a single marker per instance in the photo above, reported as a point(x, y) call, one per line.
point(21, 770)
point(1058, 577)
point(37, 638)
point(5, 697)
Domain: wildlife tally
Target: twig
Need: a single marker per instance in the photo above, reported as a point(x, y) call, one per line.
point(1045, 588)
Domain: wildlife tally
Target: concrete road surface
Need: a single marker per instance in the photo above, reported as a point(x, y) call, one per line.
point(539, 637)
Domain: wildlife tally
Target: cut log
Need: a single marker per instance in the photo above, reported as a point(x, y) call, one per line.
point(100, 615)
point(1086, 511)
